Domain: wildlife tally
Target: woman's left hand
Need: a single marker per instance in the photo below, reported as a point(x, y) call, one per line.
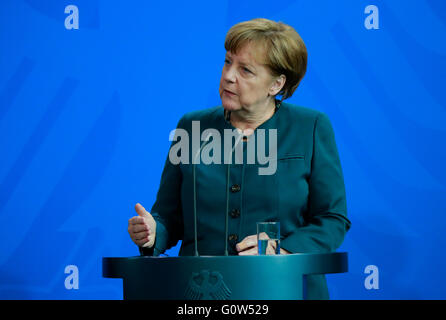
point(248, 247)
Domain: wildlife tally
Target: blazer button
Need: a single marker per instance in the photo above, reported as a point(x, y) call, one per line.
point(235, 213)
point(232, 237)
point(235, 188)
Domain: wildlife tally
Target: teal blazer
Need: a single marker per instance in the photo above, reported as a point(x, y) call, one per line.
point(306, 193)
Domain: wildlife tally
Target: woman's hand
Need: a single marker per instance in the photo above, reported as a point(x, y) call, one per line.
point(248, 247)
point(142, 228)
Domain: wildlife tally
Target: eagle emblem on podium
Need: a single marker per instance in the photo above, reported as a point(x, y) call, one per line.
point(207, 285)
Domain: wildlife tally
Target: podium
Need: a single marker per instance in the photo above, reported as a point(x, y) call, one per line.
point(268, 277)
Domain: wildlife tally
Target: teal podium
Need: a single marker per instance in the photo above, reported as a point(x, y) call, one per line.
point(269, 277)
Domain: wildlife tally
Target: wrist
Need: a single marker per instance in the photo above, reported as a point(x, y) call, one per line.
point(146, 251)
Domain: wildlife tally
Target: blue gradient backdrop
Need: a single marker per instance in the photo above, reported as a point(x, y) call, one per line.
point(85, 117)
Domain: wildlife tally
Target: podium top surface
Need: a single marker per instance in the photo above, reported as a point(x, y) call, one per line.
point(300, 263)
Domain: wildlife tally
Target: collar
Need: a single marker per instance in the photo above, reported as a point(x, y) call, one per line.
point(227, 113)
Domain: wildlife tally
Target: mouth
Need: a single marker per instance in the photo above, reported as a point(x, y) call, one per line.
point(229, 92)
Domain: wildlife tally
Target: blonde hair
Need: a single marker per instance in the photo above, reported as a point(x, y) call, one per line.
point(285, 50)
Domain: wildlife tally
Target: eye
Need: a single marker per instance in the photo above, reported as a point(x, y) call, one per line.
point(246, 70)
point(227, 61)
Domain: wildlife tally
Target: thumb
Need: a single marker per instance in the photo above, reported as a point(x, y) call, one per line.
point(141, 211)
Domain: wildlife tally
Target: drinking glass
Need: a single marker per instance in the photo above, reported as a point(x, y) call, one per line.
point(268, 233)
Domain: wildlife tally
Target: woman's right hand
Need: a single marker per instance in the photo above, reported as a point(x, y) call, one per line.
point(142, 228)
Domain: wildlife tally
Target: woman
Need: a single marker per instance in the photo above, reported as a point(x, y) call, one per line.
point(306, 193)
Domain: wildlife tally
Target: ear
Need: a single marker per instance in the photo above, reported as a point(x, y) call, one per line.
point(277, 85)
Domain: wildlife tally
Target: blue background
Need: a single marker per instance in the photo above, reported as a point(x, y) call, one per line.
point(85, 117)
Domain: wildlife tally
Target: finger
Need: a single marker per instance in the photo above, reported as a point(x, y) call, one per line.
point(148, 243)
point(270, 250)
point(142, 212)
point(273, 244)
point(246, 243)
point(137, 220)
point(254, 251)
point(263, 236)
point(140, 227)
point(141, 235)
point(139, 239)
point(142, 242)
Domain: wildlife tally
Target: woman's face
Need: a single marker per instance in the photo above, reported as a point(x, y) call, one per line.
point(245, 82)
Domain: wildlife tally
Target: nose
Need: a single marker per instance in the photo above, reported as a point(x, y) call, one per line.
point(229, 74)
